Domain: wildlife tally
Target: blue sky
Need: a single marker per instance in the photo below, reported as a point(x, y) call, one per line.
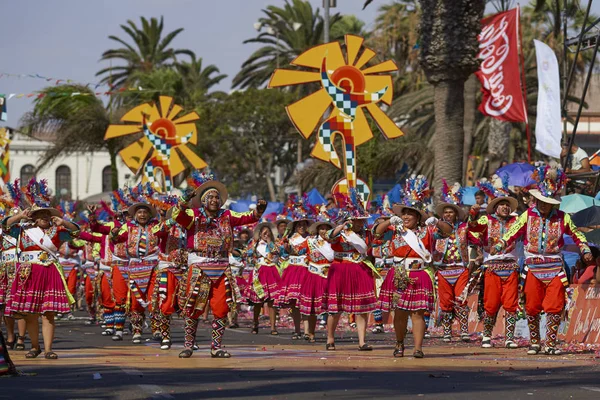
point(65, 38)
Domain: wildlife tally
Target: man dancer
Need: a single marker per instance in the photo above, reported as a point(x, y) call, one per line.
point(209, 242)
point(501, 278)
point(542, 228)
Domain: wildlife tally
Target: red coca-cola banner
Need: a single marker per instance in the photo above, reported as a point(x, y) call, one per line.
point(499, 71)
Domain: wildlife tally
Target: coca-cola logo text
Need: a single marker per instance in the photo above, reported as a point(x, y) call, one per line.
point(495, 48)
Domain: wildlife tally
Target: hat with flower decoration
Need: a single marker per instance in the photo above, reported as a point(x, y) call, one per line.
point(350, 206)
point(551, 180)
point(37, 195)
point(497, 192)
point(451, 197)
point(204, 182)
point(415, 196)
point(300, 211)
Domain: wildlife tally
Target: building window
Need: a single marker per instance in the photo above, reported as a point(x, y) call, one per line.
point(27, 172)
point(107, 179)
point(63, 181)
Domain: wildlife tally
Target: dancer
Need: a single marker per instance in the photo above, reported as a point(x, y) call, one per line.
point(501, 277)
point(319, 257)
point(209, 232)
point(296, 270)
point(542, 228)
point(131, 282)
point(264, 280)
point(40, 288)
point(351, 277)
point(450, 257)
point(408, 289)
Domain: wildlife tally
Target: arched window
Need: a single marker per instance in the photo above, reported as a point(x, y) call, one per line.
point(107, 179)
point(27, 172)
point(63, 182)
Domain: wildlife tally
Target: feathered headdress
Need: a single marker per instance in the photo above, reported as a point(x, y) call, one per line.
point(37, 193)
point(416, 192)
point(349, 206)
point(551, 180)
point(452, 195)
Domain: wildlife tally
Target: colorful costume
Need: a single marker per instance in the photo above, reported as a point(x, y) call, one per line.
point(319, 256)
point(39, 285)
point(208, 278)
point(409, 285)
point(294, 273)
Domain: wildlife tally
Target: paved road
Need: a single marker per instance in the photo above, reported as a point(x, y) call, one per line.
point(93, 367)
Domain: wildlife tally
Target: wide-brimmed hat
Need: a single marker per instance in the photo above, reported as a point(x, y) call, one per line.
point(461, 214)
point(259, 227)
point(550, 180)
point(350, 206)
point(35, 210)
point(496, 191)
point(292, 224)
point(415, 196)
point(451, 197)
point(398, 208)
point(133, 209)
point(203, 182)
point(312, 229)
point(282, 219)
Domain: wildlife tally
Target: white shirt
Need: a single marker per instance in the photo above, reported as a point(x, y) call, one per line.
point(576, 159)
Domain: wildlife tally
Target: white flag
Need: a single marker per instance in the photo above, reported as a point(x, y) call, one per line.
point(547, 126)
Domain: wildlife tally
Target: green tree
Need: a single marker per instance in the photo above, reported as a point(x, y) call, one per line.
point(72, 124)
point(285, 33)
point(150, 49)
point(248, 140)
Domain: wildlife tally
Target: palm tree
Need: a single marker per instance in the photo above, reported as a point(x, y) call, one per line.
point(287, 32)
point(149, 50)
point(348, 25)
point(71, 123)
point(196, 79)
point(449, 47)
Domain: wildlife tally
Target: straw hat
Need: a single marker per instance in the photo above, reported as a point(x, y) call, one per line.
point(203, 182)
point(313, 229)
point(258, 229)
point(36, 210)
point(135, 207)
point(451, 197)
point(550, 180)
point(415, 196)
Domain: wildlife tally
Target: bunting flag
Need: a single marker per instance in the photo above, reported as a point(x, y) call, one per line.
point(3, 114)
point(499, 71)
point(4, 155)
point(57, 81)
point(39, 95)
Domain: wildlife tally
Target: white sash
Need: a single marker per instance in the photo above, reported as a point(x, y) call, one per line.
point(297, 239)
point(262, 249)
point(322, 247)
point(42, 240)
point(416, 244)
point(356, 241)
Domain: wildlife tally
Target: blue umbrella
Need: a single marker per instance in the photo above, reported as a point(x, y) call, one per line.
point(240, 206)
point(519, 174)
point(315, 198)
point(395, 194)
point(468, 198)
point(575, 202)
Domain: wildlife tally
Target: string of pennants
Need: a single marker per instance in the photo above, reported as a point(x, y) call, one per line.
point(58, 81)
point(39, 95)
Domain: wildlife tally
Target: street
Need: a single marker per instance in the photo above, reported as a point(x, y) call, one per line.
point(94, 367)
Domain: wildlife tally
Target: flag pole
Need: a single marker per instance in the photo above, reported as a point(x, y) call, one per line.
point(524, 84)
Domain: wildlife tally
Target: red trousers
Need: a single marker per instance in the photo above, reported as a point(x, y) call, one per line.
point(217, 298)
point(72, 281)
point(121, 291)
point(106, 293)
point(448, 293)
point(541, 297)
point(166, 306)
point(498, 292)
point(89, 291)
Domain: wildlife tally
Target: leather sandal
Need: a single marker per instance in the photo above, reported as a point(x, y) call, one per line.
point(50, 355)
point(296, 336)
point(274, 333)
point(254, 330)
point(20, 346)
point(418, 354)
point(330, 347)
point(399, 350)
point(187, 353)
point(365, 347)
point(220, 354)
point(33, 353)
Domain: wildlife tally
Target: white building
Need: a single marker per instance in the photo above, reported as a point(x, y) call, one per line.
point(75, 176)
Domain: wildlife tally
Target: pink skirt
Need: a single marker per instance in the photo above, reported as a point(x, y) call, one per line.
point(241, 283)
point(311, 294)
point(269, 278)
point(418, 295)
point(350, 288)
point(42, 291)
point(291, 284)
